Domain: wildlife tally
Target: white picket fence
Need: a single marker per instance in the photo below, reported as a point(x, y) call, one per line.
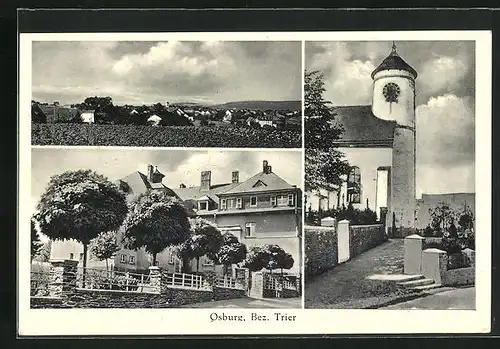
point(191, 281)
point(228, 282)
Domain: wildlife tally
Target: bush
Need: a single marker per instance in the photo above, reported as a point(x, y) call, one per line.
point(166, 136)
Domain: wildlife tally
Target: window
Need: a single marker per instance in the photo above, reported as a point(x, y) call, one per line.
point(71, 256)
point(249, 229)
point(131, 260)
point(354, 186)
point(253, 201)
point(81, 256)
point(203, 205)
point(123, 258)
point(231, 203)
point(290, 200)
point(282, 200)
point(223, 204)
point(171, 259)
point(273, 200)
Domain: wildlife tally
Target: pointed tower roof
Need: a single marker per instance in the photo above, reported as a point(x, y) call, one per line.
point(393, 61)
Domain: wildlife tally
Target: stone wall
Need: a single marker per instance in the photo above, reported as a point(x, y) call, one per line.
point(364, 237)
point(321, 249)
point(221, 293)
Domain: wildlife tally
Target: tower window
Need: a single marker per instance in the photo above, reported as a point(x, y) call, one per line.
point(354, 186)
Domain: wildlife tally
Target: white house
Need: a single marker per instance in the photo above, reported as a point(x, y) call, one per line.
point(228, 116)
point(154, 120)
point(87, 116)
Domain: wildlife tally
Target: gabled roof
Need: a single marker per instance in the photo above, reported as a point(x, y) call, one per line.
point(362, 128)
point(270, 180)
point(138, 183)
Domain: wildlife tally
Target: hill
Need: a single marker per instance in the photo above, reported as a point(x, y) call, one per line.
point(261, 105)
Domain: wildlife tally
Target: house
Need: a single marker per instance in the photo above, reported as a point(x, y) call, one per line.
point(379, 144)
point(264, 209)
point(265, 119)
point(57, 114)
point(228, 116)
point(154, 120)
point(87, 116)
point(134, 184)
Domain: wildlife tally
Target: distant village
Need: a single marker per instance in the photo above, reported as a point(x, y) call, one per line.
point(101, 110)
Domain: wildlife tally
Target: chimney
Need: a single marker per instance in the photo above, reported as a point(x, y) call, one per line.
point(150, 173)
point(264, 166)
point(205, 180)
point(236, 176)
point(157, 176)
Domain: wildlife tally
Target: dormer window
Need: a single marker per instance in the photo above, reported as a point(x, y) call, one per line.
point(238, 203)
point(203, 205)
point(273, 200)
point(282, 200)
point(223, 204)
point(290, 199)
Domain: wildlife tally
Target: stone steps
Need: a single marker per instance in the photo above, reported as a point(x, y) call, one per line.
point(427, 287)
point(417, 282)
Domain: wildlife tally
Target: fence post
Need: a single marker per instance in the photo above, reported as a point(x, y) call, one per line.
point(343, 241)
point(413, 246)
point(435, 265)
point(62, 277)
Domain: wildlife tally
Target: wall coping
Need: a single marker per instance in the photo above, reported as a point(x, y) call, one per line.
point(366, 225)
point(87, 290)
point(434, 250)
point(415, 236)
point(321, 227)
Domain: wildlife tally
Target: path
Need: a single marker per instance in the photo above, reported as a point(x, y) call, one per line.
point(281, 303)
point(347, 286)
point(456, 299)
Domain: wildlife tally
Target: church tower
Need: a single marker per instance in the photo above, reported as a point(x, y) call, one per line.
point(394, 99)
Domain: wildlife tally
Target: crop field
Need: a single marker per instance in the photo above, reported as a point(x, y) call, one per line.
point(164, 136)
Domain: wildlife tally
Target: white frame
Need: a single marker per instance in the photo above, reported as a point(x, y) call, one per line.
point(256, 201)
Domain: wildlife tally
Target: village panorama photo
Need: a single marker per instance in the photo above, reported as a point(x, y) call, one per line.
point(167, 93)
point(390, 175)
point(159, 228)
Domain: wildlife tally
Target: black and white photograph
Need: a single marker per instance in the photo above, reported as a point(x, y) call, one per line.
point(390, 186)
point(172, 228)
point(168, 94)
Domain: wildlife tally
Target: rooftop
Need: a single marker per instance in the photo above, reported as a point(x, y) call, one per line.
point(394, 61)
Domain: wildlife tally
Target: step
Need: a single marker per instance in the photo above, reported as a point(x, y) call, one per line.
point(395, 277)
point(419, 282)
point(428, 287)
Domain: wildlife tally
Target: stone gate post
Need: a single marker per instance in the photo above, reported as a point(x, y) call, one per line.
point(62, 277)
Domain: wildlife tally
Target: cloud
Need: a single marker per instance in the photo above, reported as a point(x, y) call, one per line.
point(443, 73)
point(159, 71)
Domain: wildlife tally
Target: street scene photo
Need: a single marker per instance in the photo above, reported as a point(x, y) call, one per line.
point(160, 228)
point(389, 175)
point(167, 94)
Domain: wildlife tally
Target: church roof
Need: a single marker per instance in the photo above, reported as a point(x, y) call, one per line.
point(394, 61)
point(260, 182)
point(362, 128)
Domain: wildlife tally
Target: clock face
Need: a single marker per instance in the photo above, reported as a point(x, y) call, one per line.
point(391, 92)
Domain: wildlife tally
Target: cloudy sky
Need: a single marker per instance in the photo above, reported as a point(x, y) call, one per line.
point(149, 72)
point(178, 166)
point(445, 100)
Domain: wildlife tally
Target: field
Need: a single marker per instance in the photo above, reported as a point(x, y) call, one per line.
point(166, 136)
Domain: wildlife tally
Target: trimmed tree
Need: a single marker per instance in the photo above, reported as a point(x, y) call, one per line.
point(325, 166)
point(44, 254)
point(231, 252)
point(104, 246)
point(79, 205)
point(155, 221)
point(277, 258)
point(205, 240)
point(36, 244)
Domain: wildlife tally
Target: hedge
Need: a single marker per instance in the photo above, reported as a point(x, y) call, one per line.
point(164, 136)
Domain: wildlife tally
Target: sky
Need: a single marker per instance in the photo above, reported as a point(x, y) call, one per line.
point(445, 100)
point(178, 166)
point(143, 72)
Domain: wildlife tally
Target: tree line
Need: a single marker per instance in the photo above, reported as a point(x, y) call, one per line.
point(85, 206)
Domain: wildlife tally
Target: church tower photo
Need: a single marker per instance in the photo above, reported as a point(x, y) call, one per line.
point(379, 143)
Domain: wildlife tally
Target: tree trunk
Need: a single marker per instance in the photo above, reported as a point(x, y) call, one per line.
point(197, 264)
point(107, 269)
point(154, 259)
point(85, 247)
